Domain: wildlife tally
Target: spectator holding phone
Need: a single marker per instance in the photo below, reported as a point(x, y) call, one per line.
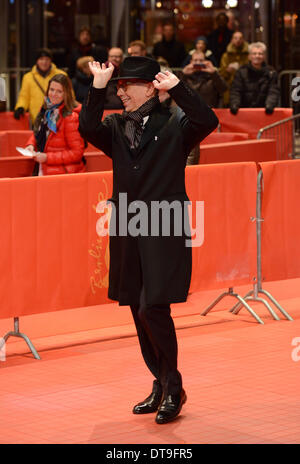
point(202, 76)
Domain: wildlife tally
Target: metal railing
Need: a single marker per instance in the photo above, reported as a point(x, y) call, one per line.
point(284, 132)
point(13, 79)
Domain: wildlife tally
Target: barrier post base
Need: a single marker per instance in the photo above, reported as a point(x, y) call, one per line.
point(241, 302)
point(236, 309)
point(17, 333)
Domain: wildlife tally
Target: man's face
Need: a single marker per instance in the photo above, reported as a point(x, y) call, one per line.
point(115, 56)
point(222, 21)
point(256, 57)
point(85, 38)
point(197, 59)
point(134, 94)
point(44, 63)
point(168, 32)
point(136, 50)
point(237, 39)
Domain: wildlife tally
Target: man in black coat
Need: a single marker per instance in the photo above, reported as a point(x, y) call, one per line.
point(169, 48)
point(220, 37)
point(255, 85)
point(85, 47)
point(149, 145)
point(202, 76)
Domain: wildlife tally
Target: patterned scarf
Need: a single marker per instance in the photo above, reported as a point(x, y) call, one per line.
point(52, 115)
point(134, 121)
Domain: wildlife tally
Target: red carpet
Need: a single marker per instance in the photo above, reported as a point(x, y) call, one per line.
point(240, 377)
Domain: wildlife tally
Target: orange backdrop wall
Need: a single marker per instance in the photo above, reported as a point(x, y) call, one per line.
point(51, 257)
point(281, 220)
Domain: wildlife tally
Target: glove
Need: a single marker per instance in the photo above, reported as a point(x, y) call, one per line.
point(19, 112)
point(269, 109)
point(234, 109)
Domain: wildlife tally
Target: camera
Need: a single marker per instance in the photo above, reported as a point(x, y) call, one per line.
point(199, 66)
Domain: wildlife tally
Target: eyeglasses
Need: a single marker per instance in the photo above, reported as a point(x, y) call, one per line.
point(124, 84)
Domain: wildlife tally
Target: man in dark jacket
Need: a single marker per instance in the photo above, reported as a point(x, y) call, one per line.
point(255, 84)
point(220, 37)
point(169, 48)
point(149, 145)
point(201, 75)
point(85, 47)
point(83, 78)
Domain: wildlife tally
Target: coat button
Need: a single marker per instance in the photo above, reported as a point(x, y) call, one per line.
point(136, 167)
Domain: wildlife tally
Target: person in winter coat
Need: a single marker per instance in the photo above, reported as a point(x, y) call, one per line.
point(201, 45)
point(220, 37)
point(112, 102)
point(83, 78)
point(255, 84)
point(202, 76)
point(236, 55)
point(169, 48)
point(34, 85)
point(149, 270)
point(56, 143)
point(84, 46)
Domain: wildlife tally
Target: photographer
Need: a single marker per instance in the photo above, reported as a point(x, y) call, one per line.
point(201, 75)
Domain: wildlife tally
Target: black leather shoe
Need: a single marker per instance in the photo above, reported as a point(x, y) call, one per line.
point(151, 403)
point(170, 407)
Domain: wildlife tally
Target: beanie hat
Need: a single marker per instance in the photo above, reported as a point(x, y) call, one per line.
point(43, 52)
point(202, 37)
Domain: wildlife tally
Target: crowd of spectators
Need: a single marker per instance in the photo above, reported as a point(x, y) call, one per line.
point(222, 67)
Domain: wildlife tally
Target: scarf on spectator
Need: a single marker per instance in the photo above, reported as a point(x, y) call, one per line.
point(134, 121)
point(51, 115)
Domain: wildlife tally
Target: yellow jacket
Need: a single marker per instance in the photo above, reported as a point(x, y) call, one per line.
point(232, 55)
point(31, 96)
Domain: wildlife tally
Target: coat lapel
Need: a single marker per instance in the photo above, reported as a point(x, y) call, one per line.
point(157, 120)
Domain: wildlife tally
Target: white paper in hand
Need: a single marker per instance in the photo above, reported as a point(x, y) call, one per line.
point(25, 152)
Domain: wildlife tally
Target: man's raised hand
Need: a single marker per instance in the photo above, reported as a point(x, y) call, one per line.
point(101, 73)
point(165, 80)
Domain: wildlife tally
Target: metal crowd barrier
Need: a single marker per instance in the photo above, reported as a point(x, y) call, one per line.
point(285, 133)
point(253, 295)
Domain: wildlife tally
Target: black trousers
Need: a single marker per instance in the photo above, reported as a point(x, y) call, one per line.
point(158, 342)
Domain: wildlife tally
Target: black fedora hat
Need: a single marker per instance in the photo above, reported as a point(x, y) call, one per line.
point(138, 67)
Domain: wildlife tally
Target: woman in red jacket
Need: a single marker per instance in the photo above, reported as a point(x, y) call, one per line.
point(55, 137)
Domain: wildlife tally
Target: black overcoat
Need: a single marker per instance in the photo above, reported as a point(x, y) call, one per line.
point(154, 172)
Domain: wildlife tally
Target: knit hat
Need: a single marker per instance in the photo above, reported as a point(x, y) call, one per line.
point(202, 37)
point(43, 52)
